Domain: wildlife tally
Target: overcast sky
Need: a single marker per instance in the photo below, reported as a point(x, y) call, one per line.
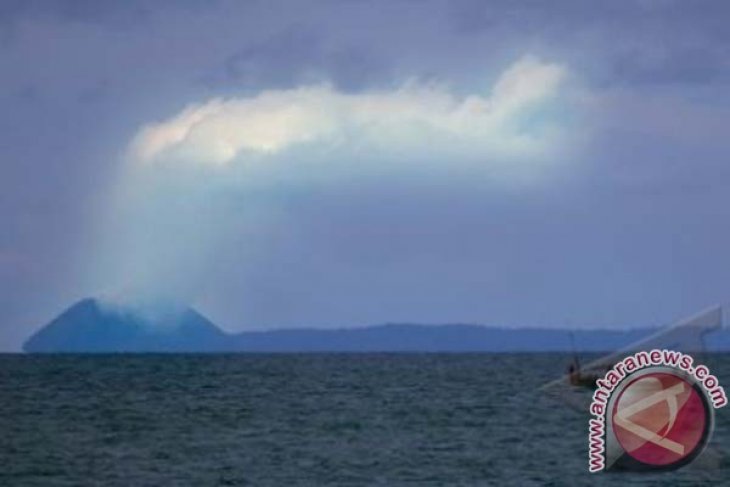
point(284, 164)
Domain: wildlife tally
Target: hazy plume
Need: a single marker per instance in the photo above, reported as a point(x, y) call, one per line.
point(210, 176)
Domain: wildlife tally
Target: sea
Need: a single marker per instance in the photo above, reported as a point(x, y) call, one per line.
point(304, 419)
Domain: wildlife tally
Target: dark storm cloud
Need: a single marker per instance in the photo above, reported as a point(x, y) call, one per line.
point(91, 11)
point(631, 233)
point(299, 55)
point(685, 64)
point(643, 42)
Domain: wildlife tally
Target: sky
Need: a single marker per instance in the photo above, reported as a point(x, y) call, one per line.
point(345, 163)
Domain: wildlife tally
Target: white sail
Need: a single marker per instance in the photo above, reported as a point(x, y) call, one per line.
point(687, 336)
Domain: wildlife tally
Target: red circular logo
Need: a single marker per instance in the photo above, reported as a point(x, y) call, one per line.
point(661, 420)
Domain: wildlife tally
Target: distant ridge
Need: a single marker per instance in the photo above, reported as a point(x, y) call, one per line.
point(90, 326)
point(432, 338)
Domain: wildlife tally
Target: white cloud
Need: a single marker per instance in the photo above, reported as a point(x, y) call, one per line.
point(413, 119)
point(172, 220)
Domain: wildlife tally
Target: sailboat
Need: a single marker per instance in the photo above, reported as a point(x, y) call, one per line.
point(687, 335)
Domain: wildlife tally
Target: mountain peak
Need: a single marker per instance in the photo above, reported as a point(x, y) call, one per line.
point(93, 325)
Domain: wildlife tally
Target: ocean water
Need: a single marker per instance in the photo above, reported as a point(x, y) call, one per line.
point(310, 419)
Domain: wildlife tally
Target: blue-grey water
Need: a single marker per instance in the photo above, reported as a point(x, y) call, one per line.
point(311, 419)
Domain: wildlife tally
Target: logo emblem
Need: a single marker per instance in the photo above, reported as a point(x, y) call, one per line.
point(661, 420)
point(653, 410)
